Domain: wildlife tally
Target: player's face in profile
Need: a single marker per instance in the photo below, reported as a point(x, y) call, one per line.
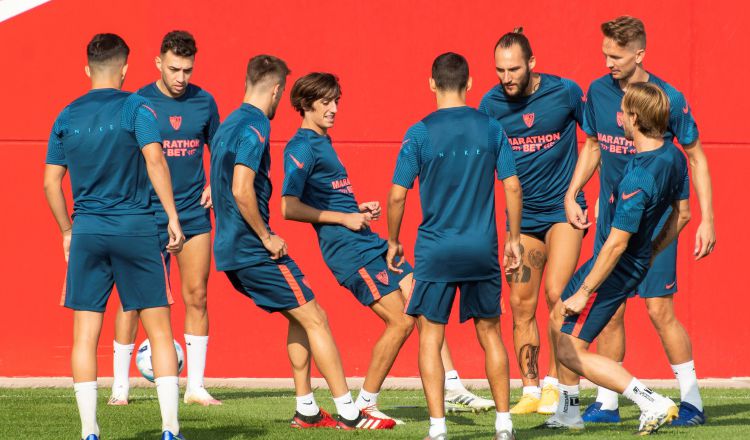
point(621, 60)
point(323, 112)
point(175, 72)
point(627, 123)
point(276, 100)
point(512, 70)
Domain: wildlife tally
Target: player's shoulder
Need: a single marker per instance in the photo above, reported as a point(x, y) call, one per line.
point(639, 176)
point(603, 83)
point(196, 92)
point(494, 95)
point(566, 83)
point(149, 90)
point(417, 132)
point(668, 88)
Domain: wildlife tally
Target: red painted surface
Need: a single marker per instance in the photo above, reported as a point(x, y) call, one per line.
point(382, 51)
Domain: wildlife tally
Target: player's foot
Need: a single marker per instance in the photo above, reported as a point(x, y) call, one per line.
point(689, 415)
point(464, 400)
point(527, 405)
point(364, 421)
point(167, 435)
point(550, 399)
point(373, 411)
point(653, 419)
point(556, 422)
point(91, 437)
point(505, 435)
point(321, 420)
point(117, 399)
point(200, 396)
point(595, 414)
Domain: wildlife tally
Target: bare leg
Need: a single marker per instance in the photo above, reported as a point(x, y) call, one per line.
point(158, 328)
point(673, 336)
point(86, 329)
point(298, 348)
point(431, 370)
point(195, 262)
point(495, 360)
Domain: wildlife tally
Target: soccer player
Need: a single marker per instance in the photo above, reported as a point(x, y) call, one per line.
point(539, 113)
point(624, 49)
point(188, 118)
point(654, 179)
point(255, 259)
point(109, 141)
point(455, 152)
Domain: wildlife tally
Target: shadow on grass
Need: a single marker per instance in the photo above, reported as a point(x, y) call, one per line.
point(211, 433)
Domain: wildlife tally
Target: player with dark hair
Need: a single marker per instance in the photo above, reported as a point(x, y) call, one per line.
point(539, 113)
point(255, 259)
point(188, 118)
point(109, 141)
point(624, 49)
point(654, 179)
point(456, 152)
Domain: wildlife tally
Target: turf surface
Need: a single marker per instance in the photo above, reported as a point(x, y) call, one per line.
point(246, 414)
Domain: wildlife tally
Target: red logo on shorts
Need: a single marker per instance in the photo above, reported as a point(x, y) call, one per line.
point(619, 119)
point(382, 277)
point(176, 121)
point(528, 118)
point(306, 283)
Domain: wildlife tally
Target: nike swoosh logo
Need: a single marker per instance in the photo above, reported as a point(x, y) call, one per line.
point(347, 403)
point(627, 196)
point(405, 142)
point(685, 109)
point(669, 286)
point(260, 137)
point(307, 403)
point(299, 164)
point(365, 399)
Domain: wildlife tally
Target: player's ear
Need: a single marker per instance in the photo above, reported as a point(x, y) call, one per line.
point(157, 61)
point(468, 84)
point(532, 62)
point(124, 71)
point(87, 69)
point(640, 54)
point(433, 86)
point(276, 90)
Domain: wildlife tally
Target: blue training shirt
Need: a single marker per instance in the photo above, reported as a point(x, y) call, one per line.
point(455, 152)
point(314, 173)
point(541, 129)
point(603, 119)
point(187, 124)
point(99, 137)
point(242, 139)
point(652, 181)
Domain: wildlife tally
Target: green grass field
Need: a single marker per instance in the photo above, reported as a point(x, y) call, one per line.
point(247, 414)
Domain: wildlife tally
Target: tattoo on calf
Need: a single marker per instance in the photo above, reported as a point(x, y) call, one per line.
point(528, 357)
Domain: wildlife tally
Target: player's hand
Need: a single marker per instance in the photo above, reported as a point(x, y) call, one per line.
point(206, 201)
point(705, 240)
point(394, 250)
point(176, 237)
point(357, 221)
point(275, 245)
point(575, 304)
point(372, 207)
point(512, 256)
point(576, 216)
point(66, 236)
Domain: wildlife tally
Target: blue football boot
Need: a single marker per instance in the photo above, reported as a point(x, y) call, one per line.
point(167, 435)
point(689, 416)
point(91, 437)
point(595, 414)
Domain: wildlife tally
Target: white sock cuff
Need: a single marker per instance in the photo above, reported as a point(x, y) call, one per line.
point(549, 380)
point(196, 338)
point(310, 396)
point(166, 380)
point(80, 386)
point(368, 395)
point(122, 347)
point(452, 373)
point(343, 398)
point(685, 366)
point(570, 389)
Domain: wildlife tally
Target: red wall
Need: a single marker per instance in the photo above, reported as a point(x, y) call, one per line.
point(382, 51)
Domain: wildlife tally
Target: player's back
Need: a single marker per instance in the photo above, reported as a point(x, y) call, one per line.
point(97, 138)
point(458, 150)
point(241, 139)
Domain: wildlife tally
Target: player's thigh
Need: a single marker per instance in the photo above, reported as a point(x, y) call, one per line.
point(524, 283)
point(195, 263)
point(432, 300)
point(140, 273)
point(661, 279)
point(595, 316)
point(563, 250)
point(89, 278)
point(480, 299)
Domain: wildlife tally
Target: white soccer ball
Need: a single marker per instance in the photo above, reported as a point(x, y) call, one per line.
point(143, 359)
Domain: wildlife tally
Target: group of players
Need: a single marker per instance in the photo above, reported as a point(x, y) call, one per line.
point(114, 143)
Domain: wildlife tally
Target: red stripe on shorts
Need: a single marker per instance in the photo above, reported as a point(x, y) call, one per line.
point(583, 315)
point(292, 284)
point(64, 288)
point(170, 300)
point(410, 294)
point(370, 283)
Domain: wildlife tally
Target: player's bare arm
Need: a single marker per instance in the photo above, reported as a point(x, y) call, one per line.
point(396, 206)
point(243, 190)
point(53, 177)
point(678, 218)
point(588, 161)
point(292, 208)
point(608, 257)
point(158, 173)
point(705, 236)
point(514, 204)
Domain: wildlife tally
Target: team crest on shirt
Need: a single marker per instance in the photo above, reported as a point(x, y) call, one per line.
point(619, 119)
point(176, 121)
point(528, 119)
point(382, 277)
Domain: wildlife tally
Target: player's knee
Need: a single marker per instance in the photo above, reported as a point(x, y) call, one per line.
point(553, 294)
point(404, 324)
point(661, 314)
point(195, 296)
point(317, 318)
point(566, 352)
point(523, 309)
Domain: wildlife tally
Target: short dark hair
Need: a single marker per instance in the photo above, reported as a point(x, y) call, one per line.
point(450, 72)
point(261, 67)
point(106, 47)
point(314, 86)
point(651, 105)
point(180, 43)
point(625, 29)
point(516, 37)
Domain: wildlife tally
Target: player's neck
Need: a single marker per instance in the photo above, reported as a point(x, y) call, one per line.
point(310, 125)
point(533, 84)
point(106, 83)
point(640, 75)
point(645, 143)
point(450, 99)
point(261, 101)
point(165, 90)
